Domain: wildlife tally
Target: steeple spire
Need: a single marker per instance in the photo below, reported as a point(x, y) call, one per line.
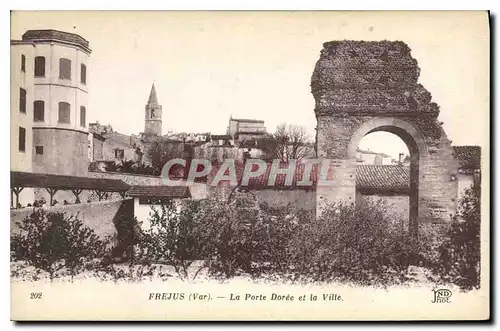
point(153, 114)
point(153, 100)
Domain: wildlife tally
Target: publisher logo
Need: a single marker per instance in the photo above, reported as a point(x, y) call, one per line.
point(441, 296)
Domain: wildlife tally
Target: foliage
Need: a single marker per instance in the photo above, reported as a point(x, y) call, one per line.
point(460, 254)
point(172, 236)
point(53, 242)
point(131, 167)
point(358, 244)
point(354, 243)
point(128, 234)
point(286, 143)
point(162, 150)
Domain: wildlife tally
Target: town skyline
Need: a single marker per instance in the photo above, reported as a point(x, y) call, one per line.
point(204, 74)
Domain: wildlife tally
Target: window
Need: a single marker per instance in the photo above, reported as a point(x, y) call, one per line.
point(23, 63)
point(152, 113)
point(39, 66)
point(38, 111)
point(64, 112)
point(83, 73)
point(22, 100)
point(64, 68)
point(22, 139)
point(82, 116)
point(39, 150)
point(119, 154)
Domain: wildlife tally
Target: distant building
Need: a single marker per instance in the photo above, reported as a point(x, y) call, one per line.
point(369, 157)
point(109, 145)
point(222, 140)
point(246, 129)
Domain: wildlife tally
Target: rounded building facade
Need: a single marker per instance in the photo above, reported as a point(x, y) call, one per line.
point(60, 128)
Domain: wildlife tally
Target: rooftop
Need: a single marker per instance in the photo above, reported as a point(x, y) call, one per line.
point(56, 35)
point(60, 182)
point(383, 177)
point(246, 120)
point(162, 191)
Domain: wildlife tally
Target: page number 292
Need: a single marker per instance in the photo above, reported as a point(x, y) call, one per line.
point(35, 295)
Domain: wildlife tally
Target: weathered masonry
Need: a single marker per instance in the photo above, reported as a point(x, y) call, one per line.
point(363, 87)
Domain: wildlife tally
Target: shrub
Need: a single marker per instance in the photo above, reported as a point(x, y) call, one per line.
point(353, 243)
point(53, 242)
point(128, 235)
point(172, 236)
point(347, 243)
point(460, 254)
point(234, 237)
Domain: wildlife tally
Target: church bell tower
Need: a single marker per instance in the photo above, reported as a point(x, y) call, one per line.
point(153, 114)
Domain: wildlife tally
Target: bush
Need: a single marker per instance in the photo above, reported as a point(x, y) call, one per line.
point(128, 234)
point(172, 237)
point(54, 242)
point(354, 243)
point(347, 243)
point(460, 254)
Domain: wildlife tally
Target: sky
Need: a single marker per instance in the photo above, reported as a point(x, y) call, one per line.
point(208, 66)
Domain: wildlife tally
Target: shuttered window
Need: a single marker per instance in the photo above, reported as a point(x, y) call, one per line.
point(38, 111)
point(64, 112)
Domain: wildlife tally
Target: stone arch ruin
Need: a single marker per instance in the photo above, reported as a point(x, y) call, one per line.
point(365, 86)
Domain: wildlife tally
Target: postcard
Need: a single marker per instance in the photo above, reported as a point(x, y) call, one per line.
point(250, 165)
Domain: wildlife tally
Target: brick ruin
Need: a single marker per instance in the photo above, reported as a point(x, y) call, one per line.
point(362, 87)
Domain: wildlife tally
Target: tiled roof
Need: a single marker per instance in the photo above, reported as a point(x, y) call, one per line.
point(27, 179)
point(162, 191)
point(469, 157)
point(49, 35)
point(382, 177)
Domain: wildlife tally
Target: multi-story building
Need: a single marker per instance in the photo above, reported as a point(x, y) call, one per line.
point(246, 129)
point(49, 92)
point(21, 111)
point(54, 98)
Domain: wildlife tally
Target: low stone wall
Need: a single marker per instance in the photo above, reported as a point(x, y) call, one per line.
point(99, 216)
point(131, 179)
point(295, 199)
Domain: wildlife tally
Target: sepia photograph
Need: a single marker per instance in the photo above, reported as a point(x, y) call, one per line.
point(250, 165)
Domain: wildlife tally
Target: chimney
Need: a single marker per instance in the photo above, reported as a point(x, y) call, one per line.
point(400, 162)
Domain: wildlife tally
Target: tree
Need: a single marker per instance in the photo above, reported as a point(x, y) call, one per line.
point(460, 253)
point(288, 142)
point(162, 150)
point(53, 242)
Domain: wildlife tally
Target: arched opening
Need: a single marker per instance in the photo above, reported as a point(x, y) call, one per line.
point(383, 162)
point(395, 176)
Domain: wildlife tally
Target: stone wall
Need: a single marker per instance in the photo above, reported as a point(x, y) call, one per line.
point(363, 87)
point(65, 151)
point(295, 199)
point(99, 216)
point(97, 150)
